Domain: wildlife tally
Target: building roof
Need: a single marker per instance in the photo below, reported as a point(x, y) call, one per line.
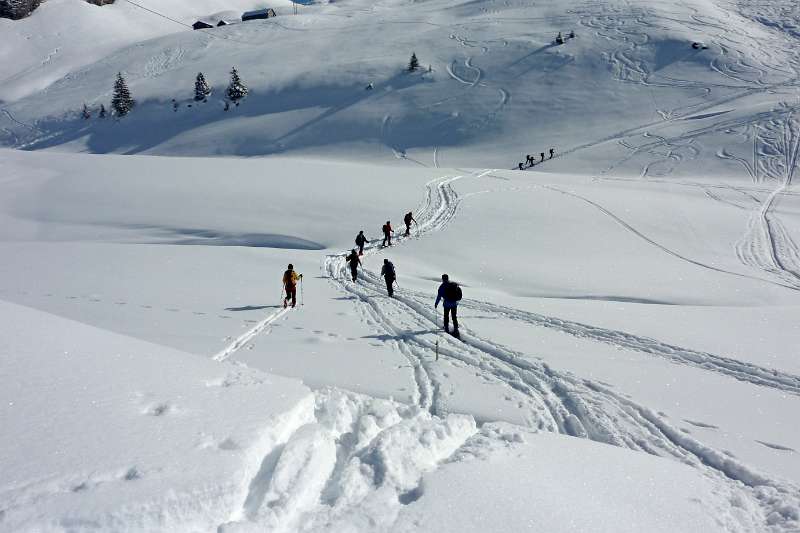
point(257, 12)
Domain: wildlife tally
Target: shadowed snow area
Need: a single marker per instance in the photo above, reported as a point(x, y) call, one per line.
point(627, 359)
point(206, 237)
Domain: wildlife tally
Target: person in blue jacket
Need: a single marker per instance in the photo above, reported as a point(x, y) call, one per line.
point(450, 292)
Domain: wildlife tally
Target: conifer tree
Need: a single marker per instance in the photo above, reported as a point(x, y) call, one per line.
point(236, 89)
point(122, 101)
point(201, 88)
point(413, 64)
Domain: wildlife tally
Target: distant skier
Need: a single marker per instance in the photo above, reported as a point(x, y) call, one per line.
point(388, 273)
point(529, 160)
point(387, 233)
point(361, 240)
point(559, 38)
point(552, 151)
point(572, 34)
point(369, 87)
point(354, 263)
point(290, 278)
point(450, 292)
point(542, 156)
point(408, 219)
point(519, 166)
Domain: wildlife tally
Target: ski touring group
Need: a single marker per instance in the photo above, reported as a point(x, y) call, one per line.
point(448, 294)
point(530, 160)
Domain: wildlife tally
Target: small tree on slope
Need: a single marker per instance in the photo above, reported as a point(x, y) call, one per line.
point(413, 64)
point(201, 88)
point(236, 90)
point(122, 101)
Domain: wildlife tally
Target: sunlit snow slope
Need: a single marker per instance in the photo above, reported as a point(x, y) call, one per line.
point(628, 359)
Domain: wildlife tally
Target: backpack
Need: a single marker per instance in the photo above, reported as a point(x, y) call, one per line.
point(386, 228)
point(390, 271)
point(452, 292)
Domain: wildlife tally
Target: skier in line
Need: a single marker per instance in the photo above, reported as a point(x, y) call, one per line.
point(354, 263)
point(361, 240)
point(552, 151)
point(559, 38)
point(387, 233)
point(290, 278)
point(450, 292)
point(387, 272)
point(542, 154)
point(408, 219)
point(529, 160)
point(519, 165)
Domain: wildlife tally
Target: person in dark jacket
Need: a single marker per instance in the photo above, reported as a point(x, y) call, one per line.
point(387, 233)
point(361, 240)
point(408, 219)
point(354, 263)
point(450, 293)
point(388, 273)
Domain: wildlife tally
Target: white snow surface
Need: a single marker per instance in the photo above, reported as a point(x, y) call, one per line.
point(628, 359)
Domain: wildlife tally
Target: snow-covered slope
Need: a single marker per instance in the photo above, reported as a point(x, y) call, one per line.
point(668, 344)
point(628, 359)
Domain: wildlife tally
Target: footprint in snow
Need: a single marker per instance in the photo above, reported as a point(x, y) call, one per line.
point(776, 446)
point(700, 424)
point(158, 410)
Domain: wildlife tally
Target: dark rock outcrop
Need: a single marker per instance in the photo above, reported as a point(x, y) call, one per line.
point(17, 9)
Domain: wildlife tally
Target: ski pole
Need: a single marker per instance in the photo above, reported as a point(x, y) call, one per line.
point(301, 291)
point(283, 289)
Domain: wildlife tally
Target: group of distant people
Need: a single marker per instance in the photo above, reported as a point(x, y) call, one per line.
point(531, 160)
point(560, 38)
point(449, 293)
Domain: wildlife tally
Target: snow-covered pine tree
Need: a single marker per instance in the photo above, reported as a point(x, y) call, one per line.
point(102, 113)
point(86, 114)
point(201, 88)
point(236, 90)
point(413, 64)
point(122, 101)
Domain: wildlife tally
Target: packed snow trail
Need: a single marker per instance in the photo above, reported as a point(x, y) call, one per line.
point(554, 401)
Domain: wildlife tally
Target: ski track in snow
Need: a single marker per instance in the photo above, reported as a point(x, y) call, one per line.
point(767, 245)
point(554, 401)
point(247, 336)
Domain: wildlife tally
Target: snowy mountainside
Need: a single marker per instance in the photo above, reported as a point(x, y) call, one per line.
point(628, 349)
point(63, 36)
point(628, 87)
point(586, 314)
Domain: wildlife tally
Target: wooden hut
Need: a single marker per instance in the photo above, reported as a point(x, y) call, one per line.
point(266, 13)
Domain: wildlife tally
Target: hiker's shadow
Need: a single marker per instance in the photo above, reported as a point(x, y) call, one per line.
point(402, 336)
point(252, 307)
